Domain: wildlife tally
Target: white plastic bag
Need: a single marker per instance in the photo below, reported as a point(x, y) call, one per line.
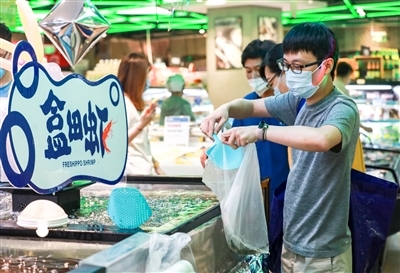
point(239, 192)
point(165, 253)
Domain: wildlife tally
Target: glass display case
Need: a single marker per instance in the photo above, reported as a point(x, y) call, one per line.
point(197, 97)
point(178, 204)
point(379, 107)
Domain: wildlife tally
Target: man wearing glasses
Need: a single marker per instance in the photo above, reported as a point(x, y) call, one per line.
point(322, 135)
point(5, 76)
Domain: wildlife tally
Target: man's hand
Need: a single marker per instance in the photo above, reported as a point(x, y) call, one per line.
point(240, 136)
point(215, 121)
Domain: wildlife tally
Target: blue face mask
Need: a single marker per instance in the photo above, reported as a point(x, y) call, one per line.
point(2, 72)
point(223, 156)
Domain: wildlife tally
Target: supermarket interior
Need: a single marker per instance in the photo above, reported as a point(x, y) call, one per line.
point(193, 51)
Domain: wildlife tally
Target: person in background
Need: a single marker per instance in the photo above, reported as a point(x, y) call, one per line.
point(132, 73)
point(264, 76)
point(270, 71)
point(175, 105)
point(323, 137)
point(343, 78)
point(5, 76)
point(252, 56)
point(272, 157)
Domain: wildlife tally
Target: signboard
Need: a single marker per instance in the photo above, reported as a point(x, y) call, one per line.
point(60, 131)
point(8, 13)
point(177, 130)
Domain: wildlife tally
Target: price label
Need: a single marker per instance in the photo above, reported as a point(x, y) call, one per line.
point(177, 130)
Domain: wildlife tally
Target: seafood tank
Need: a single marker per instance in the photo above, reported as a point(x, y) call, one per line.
point(178, 204)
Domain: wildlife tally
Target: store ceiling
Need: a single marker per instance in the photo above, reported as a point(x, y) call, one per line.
point(127, 16)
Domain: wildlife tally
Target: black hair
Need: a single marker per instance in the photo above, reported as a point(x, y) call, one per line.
point(256, 49)
point(315, 38)
point(343, 69)
point(5, 32)
point(270, 59)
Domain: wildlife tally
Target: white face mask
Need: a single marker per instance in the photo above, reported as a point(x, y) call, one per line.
point(301, 84)
point(276, 88)
point(258, 85)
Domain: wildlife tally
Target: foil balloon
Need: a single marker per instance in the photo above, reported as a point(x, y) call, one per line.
point(74, 27)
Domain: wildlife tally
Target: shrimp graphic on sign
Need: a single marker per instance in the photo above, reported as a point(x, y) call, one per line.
point(61, 131)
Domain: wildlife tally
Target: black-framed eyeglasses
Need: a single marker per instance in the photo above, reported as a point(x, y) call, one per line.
point(296, 68)
point(269, 83)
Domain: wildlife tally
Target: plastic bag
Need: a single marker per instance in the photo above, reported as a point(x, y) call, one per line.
point(372, 202)
point(234, 176)
point(165, 253)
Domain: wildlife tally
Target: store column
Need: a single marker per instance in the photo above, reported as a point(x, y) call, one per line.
point(229, 31)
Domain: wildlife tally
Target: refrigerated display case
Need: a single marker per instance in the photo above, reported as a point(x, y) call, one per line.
point(379, 107)
point(197, 97)
point(179, 204)
point(180, 159)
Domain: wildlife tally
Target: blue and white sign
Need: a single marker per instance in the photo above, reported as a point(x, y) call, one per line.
point(61, 131)
point(177, 130)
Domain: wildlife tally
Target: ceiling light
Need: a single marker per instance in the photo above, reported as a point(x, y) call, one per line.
point(310, 2)
point(361, 12)
point(202, 31)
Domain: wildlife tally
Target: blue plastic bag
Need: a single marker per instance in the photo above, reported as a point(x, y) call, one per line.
point(372, 202)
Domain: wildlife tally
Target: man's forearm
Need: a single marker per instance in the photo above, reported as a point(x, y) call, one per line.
point(240, 108)
point(302, 137)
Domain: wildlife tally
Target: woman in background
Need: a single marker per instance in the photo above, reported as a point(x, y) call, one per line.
point(132, 73)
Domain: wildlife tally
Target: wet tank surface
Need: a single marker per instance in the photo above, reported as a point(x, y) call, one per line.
point(34, 256)
point(170, 208)
point(171, 205)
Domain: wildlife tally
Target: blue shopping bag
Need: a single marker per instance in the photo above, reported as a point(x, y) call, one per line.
point(372, 202)
point(275, 229)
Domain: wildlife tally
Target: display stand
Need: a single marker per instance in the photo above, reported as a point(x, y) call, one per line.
point(68, 198)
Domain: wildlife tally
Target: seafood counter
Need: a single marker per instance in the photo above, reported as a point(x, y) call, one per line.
point(182, 204)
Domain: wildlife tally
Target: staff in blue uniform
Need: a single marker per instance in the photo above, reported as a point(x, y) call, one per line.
point(272, 157)
point(265, 77)
point(5, 76)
